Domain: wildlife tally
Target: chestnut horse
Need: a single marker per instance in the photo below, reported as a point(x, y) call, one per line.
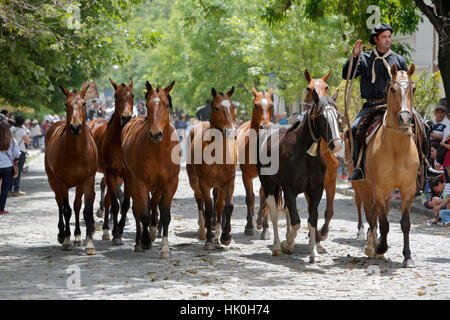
point(107, 136)
point(151, 158)
point(301, 169)
point(261, 114)
point(71, 161)
point(331, 163)
point(218, 173)
point(392, 162)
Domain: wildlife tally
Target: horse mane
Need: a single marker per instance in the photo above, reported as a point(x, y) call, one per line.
point(294, 126)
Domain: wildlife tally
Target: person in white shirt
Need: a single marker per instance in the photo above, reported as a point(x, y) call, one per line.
point(22, 138)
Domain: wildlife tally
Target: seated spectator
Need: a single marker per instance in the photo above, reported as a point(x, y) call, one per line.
point(440, 200)
point(438, 127)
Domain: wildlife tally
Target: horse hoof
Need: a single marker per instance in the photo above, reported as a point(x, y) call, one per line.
point(249, 232)
point(320, 249)
point(259, 226)
point(67, 247)
point(408, 263)
point(165, 255)
point(311, 259)
point(370, 252)
point(201, 235)
point(106, 236)
point(265, 235)
point(138, 248)
point(361, 236)
point(146, 246)
point(224, 241)
point(277, 253)
point(117, 242)
point(78, 243)
point(286, 248)
point(90, 251)
point(100, 213)
point(209, 246)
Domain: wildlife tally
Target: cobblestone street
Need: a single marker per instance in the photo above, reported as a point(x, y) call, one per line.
point(33, 266)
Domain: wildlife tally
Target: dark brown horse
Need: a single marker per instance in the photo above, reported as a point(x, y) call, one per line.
point(300, 170)
point(151, 157)
point(331, 163)
point(261, 114)
point(71, 161)
point(107, 136)
point(212, 165)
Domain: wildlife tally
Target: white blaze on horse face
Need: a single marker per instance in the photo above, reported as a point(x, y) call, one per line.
point(264, 101)
point(156, 100)
point(332, 118)
point(227, 104)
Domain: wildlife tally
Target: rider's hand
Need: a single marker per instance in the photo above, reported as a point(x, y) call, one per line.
point(357, 48)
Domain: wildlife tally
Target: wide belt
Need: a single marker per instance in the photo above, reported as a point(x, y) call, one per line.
point(376, 100)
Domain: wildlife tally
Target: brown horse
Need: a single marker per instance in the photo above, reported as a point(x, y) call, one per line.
point(331, 163)
point(71, 161)
point(107, 136)
point(392, 162)
point(218, 173)
point(151, 157)
point(261, 114)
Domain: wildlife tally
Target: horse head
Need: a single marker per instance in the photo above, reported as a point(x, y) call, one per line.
point(334, 118)
point(75, 109)
point(222, 112)
point(262, 107)
point(159, 103)
point(123, 101)
point(400, 95)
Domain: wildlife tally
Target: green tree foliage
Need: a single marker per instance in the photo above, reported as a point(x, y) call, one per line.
point(41, 47)
point(427, 92)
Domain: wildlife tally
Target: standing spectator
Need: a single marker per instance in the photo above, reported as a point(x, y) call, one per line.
point(203, 113)
point(438, 127)
point(45, 126)
point(36, 133)
point(9, 153)
point(22, 138)
point(140, 110)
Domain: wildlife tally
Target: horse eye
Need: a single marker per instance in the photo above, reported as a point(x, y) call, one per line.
point(414, 89)
point(215, 108)
point(392, 89)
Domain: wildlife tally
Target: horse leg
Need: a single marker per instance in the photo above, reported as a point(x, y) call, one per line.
point(405, 224)
point(372, 237)
point(263, 213)
point(225, 238)
point(106, 235)
point(250, 202)
point(209, 245)
point(273, 210)
point(111, 183)
point(67, 212)
point(77, 206)
point(361, 234)
point(88, 214)
point(101, 211)
point(330, 190)
point(214, 203)
point(139, 193)
point(201, 232)
point(219, 204)
point(315, 197)
point(382, 245)
point(154, 201)
point(165, 217)
point(124, 207)
point(287, 246)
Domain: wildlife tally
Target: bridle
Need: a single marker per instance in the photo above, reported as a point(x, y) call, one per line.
point(404, 85)
point(330, 112)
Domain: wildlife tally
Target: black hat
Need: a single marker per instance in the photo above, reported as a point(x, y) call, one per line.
point(379, 28)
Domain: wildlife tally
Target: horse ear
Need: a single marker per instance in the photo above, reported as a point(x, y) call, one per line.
point(411, 70)
point(115, 86)
point(83, 92)
point(130, 84)
point(169, 87)
point(213, 92)
point(270, 92)
point(149, 88)
point(325, 77)
point(307, 76)
point(255, 92)
point(230, 93)
point(65, 91)
point(394, 70)
point(315, 96)
point(334, 97)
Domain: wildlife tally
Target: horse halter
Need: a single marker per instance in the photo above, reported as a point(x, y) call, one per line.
point(404, 85)
point(330, 114)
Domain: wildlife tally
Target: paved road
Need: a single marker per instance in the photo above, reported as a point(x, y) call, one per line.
point(32, 264)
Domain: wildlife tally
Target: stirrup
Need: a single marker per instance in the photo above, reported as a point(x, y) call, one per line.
point(358, 175)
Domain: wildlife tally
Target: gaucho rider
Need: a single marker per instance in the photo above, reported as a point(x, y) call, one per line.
point(374, 69)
